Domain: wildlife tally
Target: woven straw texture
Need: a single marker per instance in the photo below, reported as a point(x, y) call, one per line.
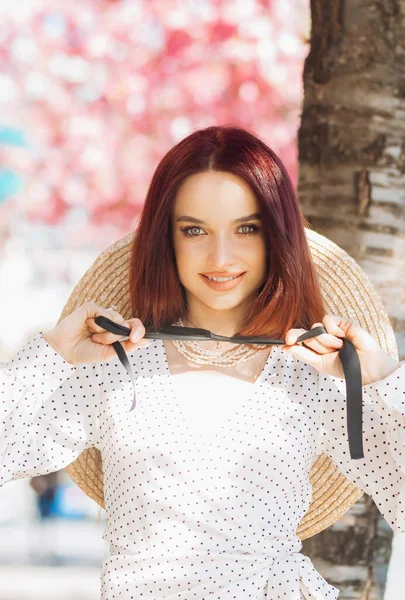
point(346, 290)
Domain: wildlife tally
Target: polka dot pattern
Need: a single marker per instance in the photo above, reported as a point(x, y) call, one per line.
point(381, 473)
point(192, 515)
point(48, 411)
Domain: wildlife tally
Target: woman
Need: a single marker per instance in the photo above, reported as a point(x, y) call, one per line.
point(206, 480)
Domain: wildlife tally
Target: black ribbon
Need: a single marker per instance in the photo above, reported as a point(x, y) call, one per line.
point(347, 355)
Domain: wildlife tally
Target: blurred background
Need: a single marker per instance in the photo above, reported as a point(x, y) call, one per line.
point(92, 94)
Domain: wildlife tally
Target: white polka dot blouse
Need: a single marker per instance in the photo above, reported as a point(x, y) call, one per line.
point(207, 479)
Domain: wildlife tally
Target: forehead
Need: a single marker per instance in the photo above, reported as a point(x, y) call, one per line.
point(215, 192)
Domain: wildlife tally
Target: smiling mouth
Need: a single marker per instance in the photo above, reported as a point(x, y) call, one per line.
point(224, 277)
point(223, 286)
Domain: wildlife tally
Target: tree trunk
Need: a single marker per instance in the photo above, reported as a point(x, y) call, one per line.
point(352, 190)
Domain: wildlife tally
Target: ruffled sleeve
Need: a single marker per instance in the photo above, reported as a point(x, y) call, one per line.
point(381, 473)
point(48, 411)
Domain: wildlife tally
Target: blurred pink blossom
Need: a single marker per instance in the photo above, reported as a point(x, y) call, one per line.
point(103, 88)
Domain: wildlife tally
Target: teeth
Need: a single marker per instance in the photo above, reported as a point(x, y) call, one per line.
point(222, 278)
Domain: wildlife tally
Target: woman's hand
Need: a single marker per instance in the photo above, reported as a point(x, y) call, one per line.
point(78, 338)
point(322, 352)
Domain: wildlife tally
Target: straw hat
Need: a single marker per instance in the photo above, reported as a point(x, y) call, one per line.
point(346, 290)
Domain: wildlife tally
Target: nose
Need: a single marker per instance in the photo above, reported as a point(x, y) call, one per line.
point(221, 252)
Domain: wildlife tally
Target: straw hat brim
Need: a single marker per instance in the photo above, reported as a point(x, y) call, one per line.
point(346, 290)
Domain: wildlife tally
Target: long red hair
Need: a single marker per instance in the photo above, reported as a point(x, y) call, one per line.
point(291, 296)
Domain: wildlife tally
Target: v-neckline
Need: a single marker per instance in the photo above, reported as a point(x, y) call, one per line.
point(254, 387)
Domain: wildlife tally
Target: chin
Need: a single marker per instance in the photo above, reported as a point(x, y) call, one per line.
point(224, 303)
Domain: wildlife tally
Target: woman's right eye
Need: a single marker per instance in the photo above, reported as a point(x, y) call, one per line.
point(187, 229)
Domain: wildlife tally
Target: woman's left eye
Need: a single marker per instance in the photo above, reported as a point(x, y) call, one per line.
point(251, 227)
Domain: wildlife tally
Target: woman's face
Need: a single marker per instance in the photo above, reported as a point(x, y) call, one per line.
point(217, 231)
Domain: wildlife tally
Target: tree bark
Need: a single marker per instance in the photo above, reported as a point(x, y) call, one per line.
point(352, 190)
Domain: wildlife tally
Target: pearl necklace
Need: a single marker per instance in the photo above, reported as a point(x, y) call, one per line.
point(198, 355)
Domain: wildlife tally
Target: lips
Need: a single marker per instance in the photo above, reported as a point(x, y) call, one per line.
point(213, 274)
point(222, 286)
point(222, 276)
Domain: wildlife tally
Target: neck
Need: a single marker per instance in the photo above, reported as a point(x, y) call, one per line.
point(218, 326)
point(227, 321)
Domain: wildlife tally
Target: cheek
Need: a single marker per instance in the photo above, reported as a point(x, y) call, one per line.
point(256, 253)
point(187, 255)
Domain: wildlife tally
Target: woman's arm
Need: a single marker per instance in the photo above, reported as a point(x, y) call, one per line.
point(49, 411)
point(381, 473)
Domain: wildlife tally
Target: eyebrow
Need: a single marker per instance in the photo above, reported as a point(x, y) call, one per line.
point(252, 217)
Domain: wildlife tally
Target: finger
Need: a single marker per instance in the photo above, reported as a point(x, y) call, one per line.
point(321, 348)
point(322, 343)
point(136, 338)
point(113, 315)
point(136, 333)
point(137, 330)
point(321, 363)
point(305, 354)
point(335, 324)
point(91, 325)
point(96, 329)
point(292, 335)
point(324, 339)
point(107, 337)
point(329, 339)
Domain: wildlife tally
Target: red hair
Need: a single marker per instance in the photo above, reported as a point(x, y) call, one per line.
point(291, 296)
